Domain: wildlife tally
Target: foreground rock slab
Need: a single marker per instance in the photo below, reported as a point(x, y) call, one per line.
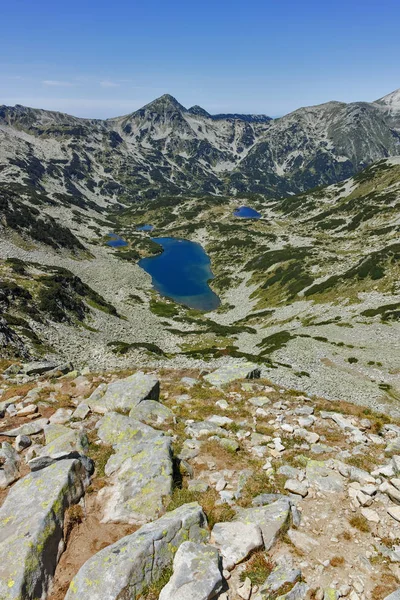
point(229, 373)
point(140, 471)
point(197, 574)
point(124, 394)
point(31, 533)
point(123, 570)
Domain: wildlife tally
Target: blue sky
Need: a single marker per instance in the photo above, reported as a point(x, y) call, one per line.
point(100, 59)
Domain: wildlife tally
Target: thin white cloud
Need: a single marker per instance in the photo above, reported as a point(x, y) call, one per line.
point(108, 84)
point(57, 83)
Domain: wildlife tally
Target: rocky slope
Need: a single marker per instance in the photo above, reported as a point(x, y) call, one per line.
point(174, 485)
point(302, 293)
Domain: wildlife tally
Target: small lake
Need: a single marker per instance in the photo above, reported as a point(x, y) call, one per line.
point(245, 212)
point(116, 241)
point(145, 228)
point(182, 273)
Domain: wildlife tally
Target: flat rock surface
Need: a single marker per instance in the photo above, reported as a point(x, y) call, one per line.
point(124, 569)
point(139, 471)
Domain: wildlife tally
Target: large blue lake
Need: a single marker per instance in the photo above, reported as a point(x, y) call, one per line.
point(182, 273)
point(245, 212)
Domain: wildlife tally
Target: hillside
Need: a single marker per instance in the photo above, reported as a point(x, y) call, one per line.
point(302, 294)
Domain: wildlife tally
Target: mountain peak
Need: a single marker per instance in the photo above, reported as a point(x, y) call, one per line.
point(392, 101)
point(165, 102)
point(198, 110)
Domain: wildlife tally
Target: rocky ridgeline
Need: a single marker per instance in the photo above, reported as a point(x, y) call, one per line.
point(222, 487)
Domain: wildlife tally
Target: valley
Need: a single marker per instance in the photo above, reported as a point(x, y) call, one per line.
point(199, 342)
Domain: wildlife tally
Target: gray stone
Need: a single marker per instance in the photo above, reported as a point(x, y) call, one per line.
point(259, 401)
point(81, 411)
point(22, 442)
point(299, 592)
point(289, 471)
point(123, 570)
point(271, 519)
point(219, 420)
point(30, 409)
point(139, 472)
point(63, 439)
point(281, 575)
point(61, 416)
point(31, 535)
point(201, 428)
point(393, 596)
point(236, 540)
point(124, 394)
point(31, 428)
point(323, 478)
point(9, 460)
point(42, 462)
point(229, 373)
point(263, 499)
point(297, 487)
point(393, 445)
point(38, 368)
point(196, 485)
point(189, 381)
point(228, 444)
point(152, 413)
point(196, 575)
point(304, 410)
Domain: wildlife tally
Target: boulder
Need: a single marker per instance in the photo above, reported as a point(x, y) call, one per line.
point(297, 487)
point(283, 574)
point(393, 596)
point(271, 519)
point(61, 416)
point(236, 540)
point(228, 373)
point(140, 470)
point(31, 428)
point(200, 428)
point(61, 439)
point(324, 478)
point(197, 574)
point(123, 570)
point(81, 412)
point(22, 442)
point(124, 394)
point(31, 535)
point(152, 413)
point(9, 465)
point(299, 592)
point(38, 368)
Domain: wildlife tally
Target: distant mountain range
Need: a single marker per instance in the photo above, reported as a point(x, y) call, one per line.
point(164, 148)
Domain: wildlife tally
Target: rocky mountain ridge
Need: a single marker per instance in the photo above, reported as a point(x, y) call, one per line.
point(166, 148)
